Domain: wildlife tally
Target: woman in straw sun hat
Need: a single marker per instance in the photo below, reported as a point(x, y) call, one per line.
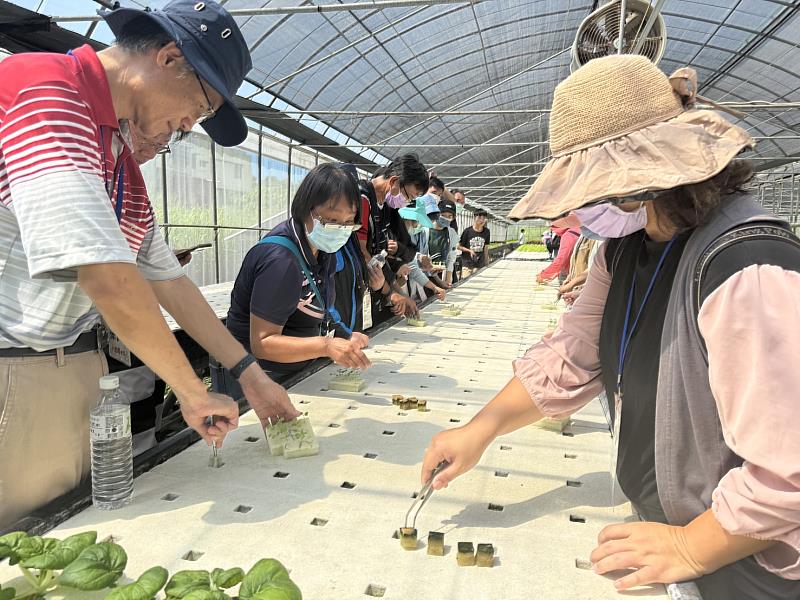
point(684, 323)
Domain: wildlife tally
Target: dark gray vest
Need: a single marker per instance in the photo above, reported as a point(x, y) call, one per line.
point(690, 454)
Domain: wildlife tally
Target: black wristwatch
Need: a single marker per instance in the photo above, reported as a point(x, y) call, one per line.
point(237, 369)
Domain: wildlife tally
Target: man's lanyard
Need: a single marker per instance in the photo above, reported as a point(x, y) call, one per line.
point(119, 176)
point(120, 193)
point(626, 333)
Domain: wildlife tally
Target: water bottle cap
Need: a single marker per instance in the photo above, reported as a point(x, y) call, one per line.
point(109, 382)
point(384, 253)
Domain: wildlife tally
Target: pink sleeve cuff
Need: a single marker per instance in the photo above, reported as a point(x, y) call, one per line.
point(751, 327)
point(562, 371)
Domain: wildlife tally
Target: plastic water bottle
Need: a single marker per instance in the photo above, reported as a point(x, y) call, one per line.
point(112, 449)
point(379, 259)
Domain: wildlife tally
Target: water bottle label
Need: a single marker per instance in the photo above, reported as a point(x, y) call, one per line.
point(110, 427)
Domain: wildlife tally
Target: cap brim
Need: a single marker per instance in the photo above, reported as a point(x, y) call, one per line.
point(412, 215)
point(228, 127)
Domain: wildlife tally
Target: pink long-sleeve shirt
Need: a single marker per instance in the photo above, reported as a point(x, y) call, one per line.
point(751, 328)
point(561, 263)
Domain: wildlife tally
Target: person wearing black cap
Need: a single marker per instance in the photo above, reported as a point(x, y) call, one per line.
point(474, 244)
point(93, 248)
point(443, 239)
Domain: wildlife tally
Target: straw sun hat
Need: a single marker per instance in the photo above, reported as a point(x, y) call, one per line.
point(620, 127)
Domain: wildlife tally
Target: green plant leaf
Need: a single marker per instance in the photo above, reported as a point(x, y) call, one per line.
point(144, 588)
point(96, 567)
point(207, 595)
point(7, 593)
point(185, 582)
point(57, 554)
point(268, 580)
point(28, 547)
point(225, 579)
point(9, 544)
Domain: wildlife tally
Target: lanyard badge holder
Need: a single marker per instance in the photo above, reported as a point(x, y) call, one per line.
point(627, 333)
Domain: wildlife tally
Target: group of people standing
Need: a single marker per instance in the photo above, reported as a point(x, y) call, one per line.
point(353, 254)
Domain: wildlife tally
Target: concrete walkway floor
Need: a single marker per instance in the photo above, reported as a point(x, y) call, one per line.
point(538, 496)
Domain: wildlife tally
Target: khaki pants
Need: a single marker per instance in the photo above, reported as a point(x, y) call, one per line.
point(44, 428)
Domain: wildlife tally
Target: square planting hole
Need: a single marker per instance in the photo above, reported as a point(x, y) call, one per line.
point(305, 401)
point(461, 403)
point(577, 519)
point(370, 455)
point(281, 474)
point(424, 387)
point(501, 473)
point(352, 407)
point(170, 497)
point(317, 522)
point(570, 456)
point(387, 432)
point(347, 485)
point(414, 495)
point(243, 509)
point(251, 439)
point(401, 414)
point(192, 555)
point(431, 376)
point(582, 563)
point(496, 507)
point(455, 420)
point(567, 434)
point(334, 425)
point(573, 483)
point(375, 591)
point(502, 447)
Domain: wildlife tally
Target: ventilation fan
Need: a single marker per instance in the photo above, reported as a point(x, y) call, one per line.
point(598, 35)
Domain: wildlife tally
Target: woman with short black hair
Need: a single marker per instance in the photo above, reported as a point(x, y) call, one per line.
point(281, 300)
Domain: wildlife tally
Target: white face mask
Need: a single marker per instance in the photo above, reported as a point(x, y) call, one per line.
point(328, 239)
point(607, 220)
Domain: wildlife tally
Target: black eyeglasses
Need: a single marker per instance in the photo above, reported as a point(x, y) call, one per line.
point(209, 112)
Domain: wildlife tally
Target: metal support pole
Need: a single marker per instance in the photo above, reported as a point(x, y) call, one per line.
point(260, 178)
point(214, 207)
point(623, 11)
point(164, 203)
point(312, 8)
point(289, 184)
point(651, 18)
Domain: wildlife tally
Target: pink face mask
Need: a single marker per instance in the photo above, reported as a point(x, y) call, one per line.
point(609, 221)
point(395, 200)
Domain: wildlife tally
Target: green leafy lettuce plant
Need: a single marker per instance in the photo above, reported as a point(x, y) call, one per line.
point(81, 563)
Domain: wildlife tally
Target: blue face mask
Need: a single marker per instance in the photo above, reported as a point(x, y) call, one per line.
point(327, 239)
point(445, 223)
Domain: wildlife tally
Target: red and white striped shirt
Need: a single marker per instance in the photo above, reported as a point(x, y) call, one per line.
point(70, 195)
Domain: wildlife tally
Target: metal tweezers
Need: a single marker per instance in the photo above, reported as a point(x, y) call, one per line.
point(215, 461)
point(424, 494)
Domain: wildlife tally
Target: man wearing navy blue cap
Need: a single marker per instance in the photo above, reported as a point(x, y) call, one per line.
point(76, 124)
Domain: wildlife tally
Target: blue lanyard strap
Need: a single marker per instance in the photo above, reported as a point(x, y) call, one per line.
point(292, 247)
point(626, 333)
point(120, 193)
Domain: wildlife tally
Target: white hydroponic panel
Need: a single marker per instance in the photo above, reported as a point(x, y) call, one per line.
point(540, 497)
